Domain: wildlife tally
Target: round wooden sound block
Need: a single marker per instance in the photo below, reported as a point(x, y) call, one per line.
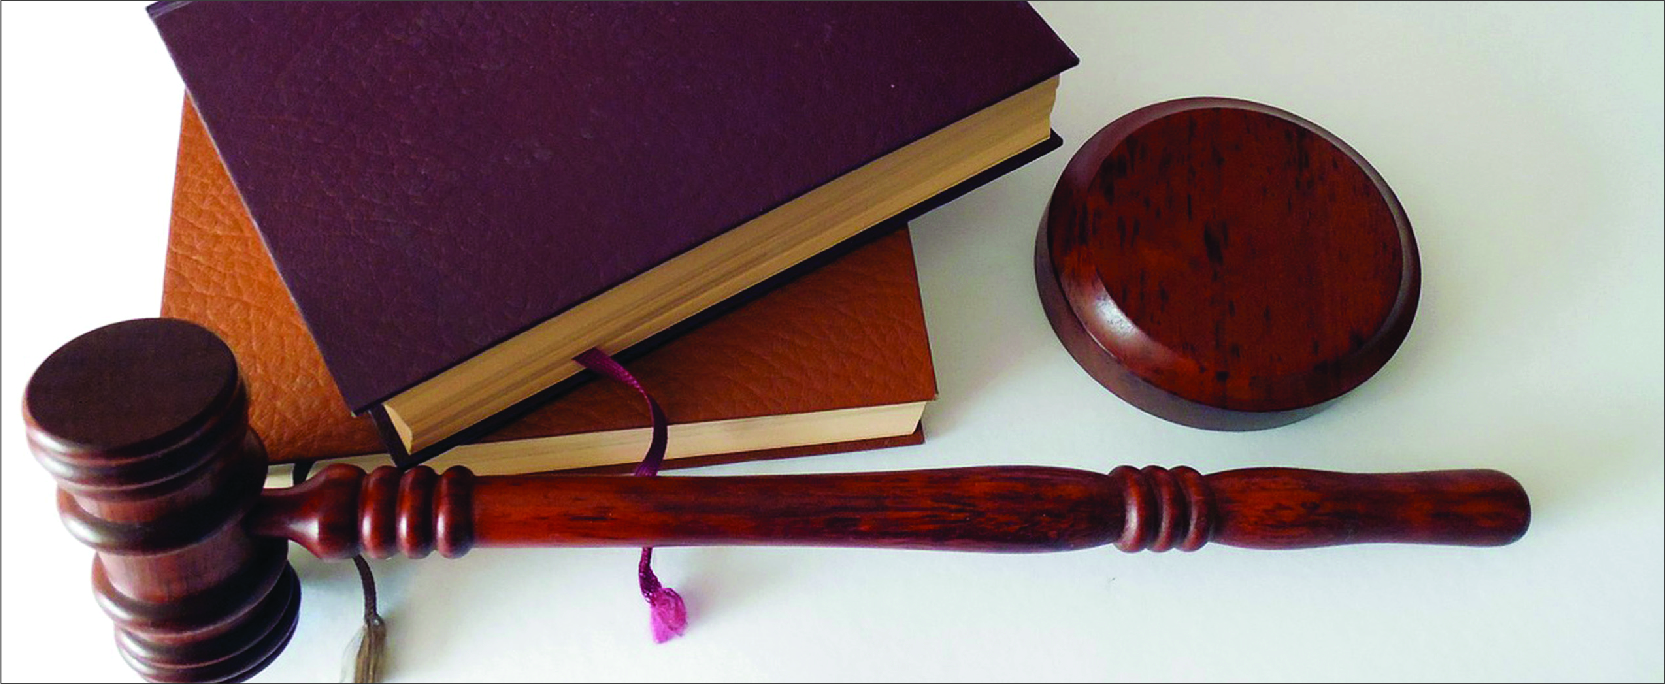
point(1226, 265)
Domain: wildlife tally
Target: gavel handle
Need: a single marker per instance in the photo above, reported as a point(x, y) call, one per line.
point(342, 511)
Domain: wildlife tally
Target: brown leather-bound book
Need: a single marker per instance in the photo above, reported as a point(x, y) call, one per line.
point(833, 359)
point(462, 197)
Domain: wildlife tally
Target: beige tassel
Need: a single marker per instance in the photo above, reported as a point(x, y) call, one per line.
point(370, 658)
point(372, 652)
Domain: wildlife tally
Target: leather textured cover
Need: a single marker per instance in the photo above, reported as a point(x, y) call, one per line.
point(433, 178)
point(849, 333)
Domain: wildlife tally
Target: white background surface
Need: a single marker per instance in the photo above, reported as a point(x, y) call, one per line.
point(1524, 141)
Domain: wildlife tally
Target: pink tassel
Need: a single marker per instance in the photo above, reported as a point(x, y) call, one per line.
point(670, 615)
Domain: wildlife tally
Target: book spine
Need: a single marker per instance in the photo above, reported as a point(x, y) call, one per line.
point(395, 446)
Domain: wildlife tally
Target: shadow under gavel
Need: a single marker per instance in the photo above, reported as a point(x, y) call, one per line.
point(144, 425)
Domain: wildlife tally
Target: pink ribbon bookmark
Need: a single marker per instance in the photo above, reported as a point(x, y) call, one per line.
point(669, 613)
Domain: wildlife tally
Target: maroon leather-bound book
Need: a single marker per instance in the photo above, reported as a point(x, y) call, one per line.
point(460, 197)
point(836, 359)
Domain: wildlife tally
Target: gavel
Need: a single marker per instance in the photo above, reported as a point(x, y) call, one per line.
point(144, 426)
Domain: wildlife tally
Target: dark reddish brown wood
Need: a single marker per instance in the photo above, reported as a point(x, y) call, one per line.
point(192, 567)
point(971, 509)
point(1007, 508)
point(144, 426)
point(378, 511)
point(1286, 508)
point(415, 525)
point(454, 512)
point(1226, 265)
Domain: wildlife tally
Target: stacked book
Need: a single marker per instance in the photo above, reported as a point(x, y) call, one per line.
point(406, 219)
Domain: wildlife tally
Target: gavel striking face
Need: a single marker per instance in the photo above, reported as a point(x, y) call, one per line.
point(144, 425)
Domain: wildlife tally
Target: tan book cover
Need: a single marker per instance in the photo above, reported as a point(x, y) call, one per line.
point(512, 186)
point(835, 359)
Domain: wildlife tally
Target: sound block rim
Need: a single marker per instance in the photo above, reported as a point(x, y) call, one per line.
point(1092, 327)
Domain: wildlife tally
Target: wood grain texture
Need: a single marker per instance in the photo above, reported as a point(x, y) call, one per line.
point(144, 425)
point(164, 482)
point(998, 509)
point(1224, 264)
point(1289, 508)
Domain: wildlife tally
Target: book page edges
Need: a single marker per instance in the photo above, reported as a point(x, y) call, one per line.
point(584, 450)
point(507, 373)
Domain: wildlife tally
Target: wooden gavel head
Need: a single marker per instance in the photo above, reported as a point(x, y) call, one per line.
point(144, 425)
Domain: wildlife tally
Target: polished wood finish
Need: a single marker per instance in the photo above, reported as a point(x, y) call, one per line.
point(144, 425)
point(1226, 265)
point(342, 512)
point(1290, 508)
point(1003, 509)
point(191, 564)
